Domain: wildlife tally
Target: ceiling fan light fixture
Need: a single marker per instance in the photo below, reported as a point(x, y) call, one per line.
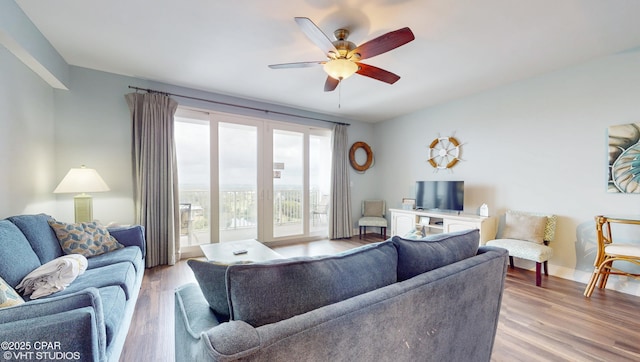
point(340, 69)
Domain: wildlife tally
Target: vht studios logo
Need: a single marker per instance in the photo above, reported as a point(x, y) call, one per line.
point(41, 355)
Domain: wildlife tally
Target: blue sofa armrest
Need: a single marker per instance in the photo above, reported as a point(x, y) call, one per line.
point(70, 335)
point(72, 323)
point(130, 236)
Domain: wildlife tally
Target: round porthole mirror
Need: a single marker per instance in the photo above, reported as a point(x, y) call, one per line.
point(360, 156)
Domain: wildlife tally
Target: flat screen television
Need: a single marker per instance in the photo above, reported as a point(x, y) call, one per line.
point(440, 195)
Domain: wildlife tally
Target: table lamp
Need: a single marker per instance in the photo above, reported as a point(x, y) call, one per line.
point(82, 180)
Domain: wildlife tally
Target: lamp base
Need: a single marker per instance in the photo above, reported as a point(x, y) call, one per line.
point(83, 208)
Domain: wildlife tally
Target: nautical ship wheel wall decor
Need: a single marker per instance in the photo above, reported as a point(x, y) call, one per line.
point(444, 153)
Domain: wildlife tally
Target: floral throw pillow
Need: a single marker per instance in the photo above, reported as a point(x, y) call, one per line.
point(8, 296)
point(86, 238)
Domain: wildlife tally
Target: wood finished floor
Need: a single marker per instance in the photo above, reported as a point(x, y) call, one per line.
point(552, 323)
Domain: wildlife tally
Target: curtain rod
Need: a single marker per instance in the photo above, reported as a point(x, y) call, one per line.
point(237, 105)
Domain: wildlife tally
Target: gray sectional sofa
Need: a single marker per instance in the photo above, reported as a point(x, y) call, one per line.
point(432, 299)
point(88, 320)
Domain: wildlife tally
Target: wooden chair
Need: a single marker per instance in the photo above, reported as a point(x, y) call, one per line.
point(610, 251)
point(373, 212)
point(527, 236)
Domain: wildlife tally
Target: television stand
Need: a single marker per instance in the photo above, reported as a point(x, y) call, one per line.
point(404, 221)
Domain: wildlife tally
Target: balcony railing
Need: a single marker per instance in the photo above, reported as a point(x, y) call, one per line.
point(238, 211)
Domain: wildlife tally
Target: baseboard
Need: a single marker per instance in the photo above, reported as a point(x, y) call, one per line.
point(623, 284)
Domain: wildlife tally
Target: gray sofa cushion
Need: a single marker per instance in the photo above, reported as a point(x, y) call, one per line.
point(211, 278)
point(268, 292)
point(42, 238)
point(17, 258)
point(433, 251)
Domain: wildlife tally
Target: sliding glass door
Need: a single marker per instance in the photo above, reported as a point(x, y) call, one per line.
point(319, 180)
point(288, 183)
point(265, 180)
point(238, 181)
point(192, 138)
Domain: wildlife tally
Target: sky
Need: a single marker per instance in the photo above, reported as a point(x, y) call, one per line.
point(238, 156)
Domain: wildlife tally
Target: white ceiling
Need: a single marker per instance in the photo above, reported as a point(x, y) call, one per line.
point(461, 46)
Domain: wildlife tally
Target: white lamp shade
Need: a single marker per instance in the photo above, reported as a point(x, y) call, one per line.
point(80, 180)
point(340, 68)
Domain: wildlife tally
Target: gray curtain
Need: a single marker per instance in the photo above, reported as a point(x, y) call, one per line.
point(340, 213)
point(155, 175)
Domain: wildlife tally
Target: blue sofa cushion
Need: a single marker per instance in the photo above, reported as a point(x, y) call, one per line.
point(113, 304)
point(17, 258)
point(40, 235)
point(433, 251)
point(122, 275)
point(131, 254)
point(268, 292)
point(130, 236)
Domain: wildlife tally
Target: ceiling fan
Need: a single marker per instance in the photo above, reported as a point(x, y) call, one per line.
point(343, 56)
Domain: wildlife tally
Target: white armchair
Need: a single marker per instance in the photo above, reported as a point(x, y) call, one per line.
point(527, 236)
point(373, 212)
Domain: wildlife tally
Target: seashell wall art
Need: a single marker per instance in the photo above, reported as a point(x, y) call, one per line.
point(624, 159)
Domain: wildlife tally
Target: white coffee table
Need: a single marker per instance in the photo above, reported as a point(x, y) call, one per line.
point(223, 252)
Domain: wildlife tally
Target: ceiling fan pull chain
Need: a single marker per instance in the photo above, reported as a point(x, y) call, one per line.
point(339, 94)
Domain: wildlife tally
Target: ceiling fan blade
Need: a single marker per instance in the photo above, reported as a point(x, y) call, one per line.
point(377, 73)
point(316, 35)
point(383, 43)
point(330, 84)
point(296, 65)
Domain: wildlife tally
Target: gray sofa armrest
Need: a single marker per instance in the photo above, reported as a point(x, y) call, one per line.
point(233, 338)
point(193, 318)
point(130, 236)
point(50, 319)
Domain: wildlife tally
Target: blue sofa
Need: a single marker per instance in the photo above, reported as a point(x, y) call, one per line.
point(437, 298)
point(88, 320)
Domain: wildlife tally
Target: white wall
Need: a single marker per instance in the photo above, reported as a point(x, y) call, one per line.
point(26, 140)
point(537, 145)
